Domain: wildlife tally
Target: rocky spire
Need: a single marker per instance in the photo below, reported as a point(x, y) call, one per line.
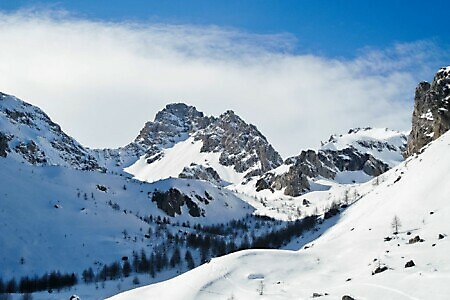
point(431, 115)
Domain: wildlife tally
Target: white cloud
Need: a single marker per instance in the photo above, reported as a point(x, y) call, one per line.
point(102, 81)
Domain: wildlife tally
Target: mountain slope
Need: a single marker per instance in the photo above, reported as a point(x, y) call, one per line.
point(342, 261)
point(351, 158)
point(28, 135)
point(181, 136)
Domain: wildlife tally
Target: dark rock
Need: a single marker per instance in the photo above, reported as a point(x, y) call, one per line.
point(410, 264)
point(317, 295)
point(441, 236)
point(241, 145)
point(208, 196)
point(347, 297)
point(431, 115)
point(416, 239)
point(262, 184)
point(172, 200)
point(200, 172)
point(379, 269)
point(4, 148)
point(102, 188)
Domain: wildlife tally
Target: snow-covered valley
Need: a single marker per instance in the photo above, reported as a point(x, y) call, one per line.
point(203, 207)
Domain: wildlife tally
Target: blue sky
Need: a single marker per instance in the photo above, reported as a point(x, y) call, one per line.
point(331, 28)
point(299, 70)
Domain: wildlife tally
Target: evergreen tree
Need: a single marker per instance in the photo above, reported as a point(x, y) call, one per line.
point(2, 286)
point(189, 260)
point(126, 269)
point(11, 286)
point(114, 270)
point(88, 275)
point(175, 260)
point(143, 263)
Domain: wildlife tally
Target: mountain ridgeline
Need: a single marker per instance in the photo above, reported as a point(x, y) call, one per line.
point(229, 151)
point(29, 135)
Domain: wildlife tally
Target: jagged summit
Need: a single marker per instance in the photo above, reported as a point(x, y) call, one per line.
point(172, 124)
point(181, 137)
point(431, 115)
point(241, 145)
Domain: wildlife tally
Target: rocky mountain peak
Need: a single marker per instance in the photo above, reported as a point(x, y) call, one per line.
point(431, 115)
point(241, 145)
point(172, 124)
point(174, 112)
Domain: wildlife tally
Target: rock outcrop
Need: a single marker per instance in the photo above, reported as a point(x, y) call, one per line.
point(358, 150)
point(431, 115)
point(200, 172)
point(241, 145)
point(172, 202)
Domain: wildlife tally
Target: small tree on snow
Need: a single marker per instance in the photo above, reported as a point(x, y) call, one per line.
point(396, 224)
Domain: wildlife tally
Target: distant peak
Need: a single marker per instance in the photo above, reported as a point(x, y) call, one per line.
point(231, 117)
point(180, 110)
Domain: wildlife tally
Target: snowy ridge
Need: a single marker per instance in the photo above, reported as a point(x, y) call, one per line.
point(28, 135)
point(383, 144)
point(352, 158)
point(362, 241)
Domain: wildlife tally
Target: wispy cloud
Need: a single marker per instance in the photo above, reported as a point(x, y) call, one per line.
point(101, 81)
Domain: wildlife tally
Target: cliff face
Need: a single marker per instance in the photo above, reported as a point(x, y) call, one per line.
point(431, 115)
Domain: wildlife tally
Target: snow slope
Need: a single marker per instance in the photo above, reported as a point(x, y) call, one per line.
point(342, 260)
point(90, 222)
point(174, 159)
point(382, 143)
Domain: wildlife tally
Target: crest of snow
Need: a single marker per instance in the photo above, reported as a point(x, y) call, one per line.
point(391, 143)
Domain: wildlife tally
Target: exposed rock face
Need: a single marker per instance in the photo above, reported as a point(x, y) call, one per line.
point(241, 145)
point(4, 148)
point(200, 172)
point(359, 155)
point(172, 124)
point(325, 163)
point(38, 140)
point(172, 201)
point(410, 264)
point(431, 115)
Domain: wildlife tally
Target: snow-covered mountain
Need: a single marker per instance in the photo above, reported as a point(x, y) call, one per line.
point(182, 140)
point(354, 157)
point(392, 243)
point(28, 135)
point(192, 187)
